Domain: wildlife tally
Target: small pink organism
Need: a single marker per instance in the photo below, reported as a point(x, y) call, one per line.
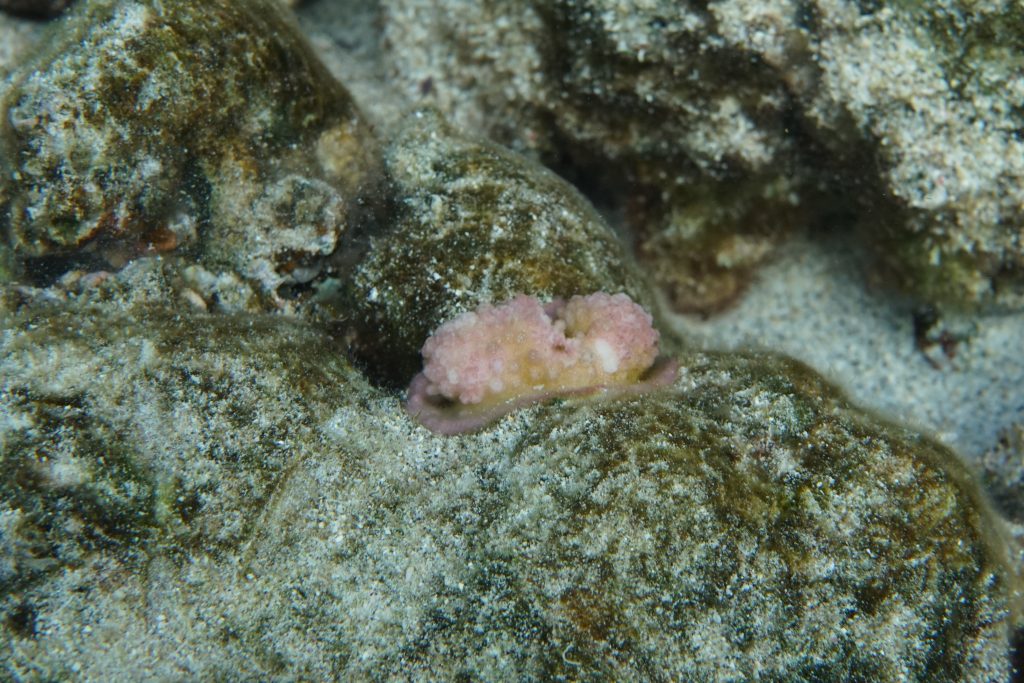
point(486, 363)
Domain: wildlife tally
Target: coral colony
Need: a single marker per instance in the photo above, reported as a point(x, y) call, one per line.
point(485, 363)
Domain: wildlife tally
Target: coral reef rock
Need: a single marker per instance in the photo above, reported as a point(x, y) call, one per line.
point(211, 128)
point(474, 222)
point(724, 124)
point(227, 495)
point(198, 488)
point(643, 101)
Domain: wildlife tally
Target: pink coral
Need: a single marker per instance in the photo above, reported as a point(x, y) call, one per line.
point(487, 362)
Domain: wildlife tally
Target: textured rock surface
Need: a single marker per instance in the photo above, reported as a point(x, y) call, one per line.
point(228, 496)
point(211, 128)
point(943, 124)
point(473, 222)
point(194, 489)
point(644, 100)
point(913, 106)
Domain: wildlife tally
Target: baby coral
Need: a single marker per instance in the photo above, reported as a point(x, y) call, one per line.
point(485, 363)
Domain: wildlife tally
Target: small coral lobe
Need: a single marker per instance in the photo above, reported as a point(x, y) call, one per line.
point(485, 363)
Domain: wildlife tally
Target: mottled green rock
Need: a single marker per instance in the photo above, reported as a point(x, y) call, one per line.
point(224, 497)
point(473, 222)
point(125, 477)
point(630, 81)
point(932, 90)
point(734, 529)
point(205, 127)
point(7, 264)
point(905, 115)
point(703, 243)
point(643, 103)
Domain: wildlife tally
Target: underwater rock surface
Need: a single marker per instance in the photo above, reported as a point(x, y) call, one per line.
point(473, 222)
point(692, 140)
point(228, 495)
point(717, 120)
point(142, 127)
point(198, 486)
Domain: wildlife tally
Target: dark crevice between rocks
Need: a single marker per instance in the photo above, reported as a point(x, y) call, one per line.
point(45, 271)
point(21, 619)
point(35, 9)
point(1017, 657)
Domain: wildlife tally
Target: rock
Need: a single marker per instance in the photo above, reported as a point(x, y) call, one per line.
point(473, 223)
point(928, 90)
point(227, 495)
point(207, 128)
point(703, 244)
point(198, 489)
point(750, 492)
point(721, 126)
point(644, 103)
point(1002, 471)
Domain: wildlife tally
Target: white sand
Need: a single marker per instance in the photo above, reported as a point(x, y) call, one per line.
point(815, 303)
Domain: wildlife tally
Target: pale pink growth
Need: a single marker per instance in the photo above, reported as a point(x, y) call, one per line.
point(484, 363)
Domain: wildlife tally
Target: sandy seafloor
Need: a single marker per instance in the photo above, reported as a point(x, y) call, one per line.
point(816, 303)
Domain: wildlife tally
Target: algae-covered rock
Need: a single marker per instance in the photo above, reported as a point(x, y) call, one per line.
point(703, 243)
point(932, 90)
point(224, 497)
point(142, 127)
point(203, 441)
point(903, 116)
point(645, 103)
point(640, 81)
point(7, 265)
point(734, 529)
point(473, 223)
point(41, 9)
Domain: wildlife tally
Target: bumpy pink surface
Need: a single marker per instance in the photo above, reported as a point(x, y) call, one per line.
point(496, 358)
